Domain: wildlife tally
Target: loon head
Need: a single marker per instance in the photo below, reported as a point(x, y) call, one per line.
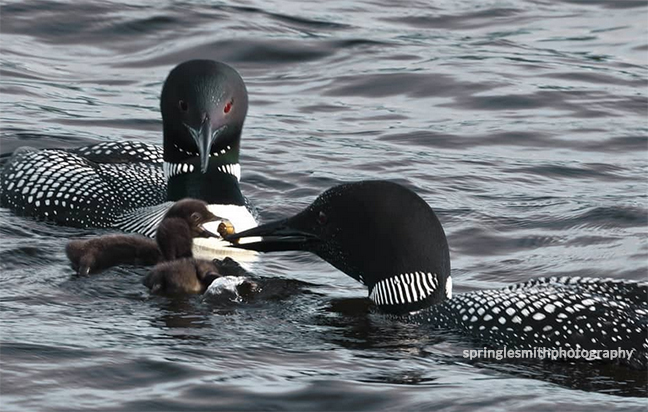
point(183, 222)
point(377, 232)
point(203, 104)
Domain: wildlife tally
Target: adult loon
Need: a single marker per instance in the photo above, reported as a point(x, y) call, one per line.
point(130, 186)
point(176, 270)
point(387, 237)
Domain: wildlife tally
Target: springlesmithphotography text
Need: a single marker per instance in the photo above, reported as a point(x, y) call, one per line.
point(545, 353)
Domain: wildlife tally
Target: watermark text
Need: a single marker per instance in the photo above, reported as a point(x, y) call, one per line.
point(548, 353)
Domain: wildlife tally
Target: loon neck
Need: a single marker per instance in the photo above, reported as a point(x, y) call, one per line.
point(219, 185)
point(174, 239)
point(411, 291)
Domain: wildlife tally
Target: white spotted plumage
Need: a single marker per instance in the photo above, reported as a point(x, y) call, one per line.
point(117, 184)
point(90, 188)
point(586, 313)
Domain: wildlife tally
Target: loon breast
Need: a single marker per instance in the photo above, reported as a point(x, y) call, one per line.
point(146, 220)
point(210, 248)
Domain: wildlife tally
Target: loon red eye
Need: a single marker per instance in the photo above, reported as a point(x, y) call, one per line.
point(183, 105)
point(321, 218)
point(228, 107)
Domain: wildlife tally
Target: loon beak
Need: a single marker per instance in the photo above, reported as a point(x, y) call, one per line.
point(275, 236)
point(204, 139)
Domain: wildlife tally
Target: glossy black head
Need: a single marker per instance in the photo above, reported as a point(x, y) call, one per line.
point(204, 104)
point(377, 232)
point(181, 224)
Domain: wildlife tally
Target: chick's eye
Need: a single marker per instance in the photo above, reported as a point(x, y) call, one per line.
point(183, 105)
point(195, 216)
point(322, 219)
point(228, 107)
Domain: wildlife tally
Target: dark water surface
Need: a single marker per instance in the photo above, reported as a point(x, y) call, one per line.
point(523, 123)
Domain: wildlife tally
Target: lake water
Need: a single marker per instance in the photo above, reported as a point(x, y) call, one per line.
point(522, 123)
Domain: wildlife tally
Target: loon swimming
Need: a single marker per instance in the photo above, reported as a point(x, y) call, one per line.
point(176, 270)
point(387, 237)
point(129, 186)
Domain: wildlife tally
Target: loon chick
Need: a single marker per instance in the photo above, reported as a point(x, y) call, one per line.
point(176, 270)
point(388, 238)
point(180, 273)
point(184, 221)
point(128, 185)
point(100, 253)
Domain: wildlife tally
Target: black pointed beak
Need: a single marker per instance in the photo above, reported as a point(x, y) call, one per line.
point(275, 236)
point(204, 139)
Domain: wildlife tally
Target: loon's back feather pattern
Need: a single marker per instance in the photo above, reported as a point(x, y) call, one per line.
point(143, 220)
point(565, 312)
point(121, 152)
point(85, 187)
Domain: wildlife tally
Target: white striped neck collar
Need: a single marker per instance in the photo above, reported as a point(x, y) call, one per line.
point(407, 292)
point(174, 169)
